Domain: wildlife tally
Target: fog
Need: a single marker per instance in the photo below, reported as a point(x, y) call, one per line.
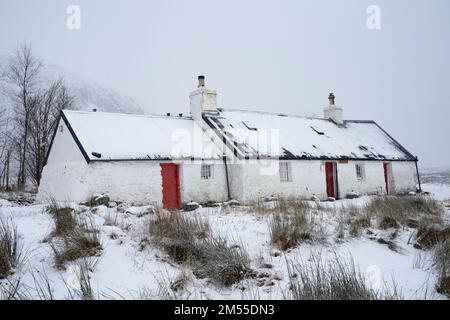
point(281, 56)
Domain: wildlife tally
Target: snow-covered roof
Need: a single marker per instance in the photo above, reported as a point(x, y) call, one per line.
point(259, 134)
point(117, 136)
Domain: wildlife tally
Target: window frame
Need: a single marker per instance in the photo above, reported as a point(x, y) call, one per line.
point(288, 176)
point(362, 174)
point(206, 174)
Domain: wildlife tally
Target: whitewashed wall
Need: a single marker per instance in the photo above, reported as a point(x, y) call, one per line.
point(193, 188)
point(67, 177)
point(308, 178)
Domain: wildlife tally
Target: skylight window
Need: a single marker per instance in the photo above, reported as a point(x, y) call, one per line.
point(363, 148)
point(247, 126)
point(317, 130)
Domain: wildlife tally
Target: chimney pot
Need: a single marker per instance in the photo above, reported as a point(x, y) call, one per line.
point(180, 114)
point(168, 114)
point(201, 81)
point(331, 98)
point(94, 110)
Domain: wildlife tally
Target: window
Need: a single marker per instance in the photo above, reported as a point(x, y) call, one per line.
point(359, 171)
point(206, 171)
point(285, 172)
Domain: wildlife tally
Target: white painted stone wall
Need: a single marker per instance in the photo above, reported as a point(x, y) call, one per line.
point(308, 178)
point(193, 188)
point(67, 177)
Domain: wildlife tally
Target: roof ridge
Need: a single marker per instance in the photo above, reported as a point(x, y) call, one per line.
point(271, 113)
point(145, 115)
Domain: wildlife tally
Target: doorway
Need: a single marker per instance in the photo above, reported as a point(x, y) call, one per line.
point(170, 186)
point(331, 179)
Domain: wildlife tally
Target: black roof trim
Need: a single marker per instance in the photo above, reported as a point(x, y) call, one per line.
point(396, 143)
point(77, 141)
point(234, 148)
point(53, 139)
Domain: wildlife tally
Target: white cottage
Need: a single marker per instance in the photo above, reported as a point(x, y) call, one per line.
point(216, 154)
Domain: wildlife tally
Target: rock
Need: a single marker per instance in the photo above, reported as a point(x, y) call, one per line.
point(411, 193)
point(352, 195)
point(331, 199)
point(232, 203)
point(270, 198)
point(99, 200)
point(191, 206)
point(412, 223)
point(263, 275)
point(266, 265)
point(275, 253)
point(111, 204)
point(388, 222)
point(383, 241)
point(315, 198)
point(209, 204)
point(140, 211)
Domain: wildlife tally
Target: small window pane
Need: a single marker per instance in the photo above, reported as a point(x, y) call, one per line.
point(359, 171)
point(206, 171)
point(285, 174)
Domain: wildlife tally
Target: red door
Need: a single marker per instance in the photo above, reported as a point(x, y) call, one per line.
point(170, 186)
point(386, 176)
point(329, 175)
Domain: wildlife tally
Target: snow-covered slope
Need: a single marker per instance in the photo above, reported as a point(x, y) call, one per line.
point(88, 94)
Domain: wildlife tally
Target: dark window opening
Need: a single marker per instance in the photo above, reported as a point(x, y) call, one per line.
point(248, 127)
point(318, 131)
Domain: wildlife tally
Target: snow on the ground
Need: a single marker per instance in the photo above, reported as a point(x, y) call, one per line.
point(125, 269)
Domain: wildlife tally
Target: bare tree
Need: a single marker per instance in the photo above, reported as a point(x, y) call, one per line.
point(46, 107)
point(22, 73)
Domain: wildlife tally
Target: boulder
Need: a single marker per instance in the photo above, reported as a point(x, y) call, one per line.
point(191, 206)
point(99, 200)
point(352, 195)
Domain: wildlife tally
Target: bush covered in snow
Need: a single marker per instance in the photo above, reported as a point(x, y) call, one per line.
point(335, 279)
point(187, 239)
point(10, 248)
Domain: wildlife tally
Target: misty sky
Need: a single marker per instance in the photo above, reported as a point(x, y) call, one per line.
point(281, 56)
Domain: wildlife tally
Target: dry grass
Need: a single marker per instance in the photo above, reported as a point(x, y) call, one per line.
point(393, 211)
point(287, 231)
point(63, 218)
point(82, 241)
point(441, 258)
point(282, 205)
point(10, 247)
point(186, 239)
point(337, 279)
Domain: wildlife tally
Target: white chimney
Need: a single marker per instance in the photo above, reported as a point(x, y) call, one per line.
point(333, 112)
point(202, 100)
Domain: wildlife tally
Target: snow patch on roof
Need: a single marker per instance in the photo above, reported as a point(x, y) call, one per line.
point(116, 136)
point(266, 134)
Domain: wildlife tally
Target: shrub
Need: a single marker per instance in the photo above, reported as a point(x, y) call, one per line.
point(63, 218)
point(430, 232)
point(10, 247)
point(292, 206)
point(441, 258)
point(222, 263)
point(187, 240)
point(287, 231)
point(401, 208)
point(337, 279)
point(82, 241)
